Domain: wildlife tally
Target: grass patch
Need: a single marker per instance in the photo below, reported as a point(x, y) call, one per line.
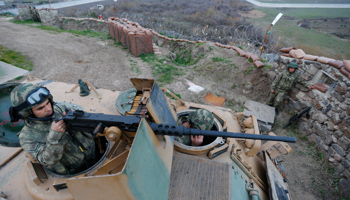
point(88, 32)
point(225, 60)
point(163, 71)
point(311, 41)
point(134, 68)
point(15, 58)
point(185, 58)
point(249, 70)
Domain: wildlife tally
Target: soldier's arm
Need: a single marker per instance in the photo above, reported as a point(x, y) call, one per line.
point(48, 153)
point(276, 81)
point(302, 82)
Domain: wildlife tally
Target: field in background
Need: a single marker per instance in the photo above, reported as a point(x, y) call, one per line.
point(313, 42)
point(305, 1)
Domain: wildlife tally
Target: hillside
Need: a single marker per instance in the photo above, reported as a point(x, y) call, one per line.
point(66, 57)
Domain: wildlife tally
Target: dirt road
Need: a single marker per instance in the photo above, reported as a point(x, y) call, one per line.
point(65, 57)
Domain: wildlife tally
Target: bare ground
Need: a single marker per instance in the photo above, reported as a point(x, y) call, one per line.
point(66, 57)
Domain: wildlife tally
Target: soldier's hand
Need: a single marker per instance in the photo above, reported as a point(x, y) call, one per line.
point(197, 140)
point(272, 91)
point(59, 126)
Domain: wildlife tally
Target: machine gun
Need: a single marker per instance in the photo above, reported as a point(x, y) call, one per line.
point(297, 116)
point(79, 120)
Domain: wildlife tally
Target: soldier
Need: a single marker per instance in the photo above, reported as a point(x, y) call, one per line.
point(283, 83)
point(199, 119)
point(46, 140)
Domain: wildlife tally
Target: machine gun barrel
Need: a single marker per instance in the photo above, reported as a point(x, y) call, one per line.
point(82, 121)
point(166, 129)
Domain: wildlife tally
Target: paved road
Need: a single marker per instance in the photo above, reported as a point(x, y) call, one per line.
point(297, 5)
point(55, 5)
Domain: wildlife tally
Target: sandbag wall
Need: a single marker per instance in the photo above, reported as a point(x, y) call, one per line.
point(342, 65)
point(131, 35)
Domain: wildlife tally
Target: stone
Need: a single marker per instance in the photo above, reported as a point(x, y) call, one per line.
point(342, 115)
point(334, 139)
point(340, 90)
point(330, 126)
point(304, 128)
point(311, 94)
point(347, 101)
point(347, 173)
point(338, 133)
point(344, 187)
point(348, 156)
point(328, 138)
point(345, 123)
point(335, 118)
point(344, 142)
point(339, 169)
point(317, 65)
point(331, 160)
point(338, 149)
point(345, 163)
point(319, 117)
point(347, 95)
point(338, 96)
point(313, 138)
point(325, 147)
point(337, 157)
point(326, 109)
point(331, 152)
point(312, 70)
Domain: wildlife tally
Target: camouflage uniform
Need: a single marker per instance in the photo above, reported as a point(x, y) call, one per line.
point(199, 119)
point(58, 151)
point(282, 84)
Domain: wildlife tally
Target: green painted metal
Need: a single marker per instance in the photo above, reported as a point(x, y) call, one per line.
point(238, 183)
point(160, 106)
point(148, 175)
point(124, 101)
point(8, 129)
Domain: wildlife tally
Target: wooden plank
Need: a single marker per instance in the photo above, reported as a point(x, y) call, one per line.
point(7, 153)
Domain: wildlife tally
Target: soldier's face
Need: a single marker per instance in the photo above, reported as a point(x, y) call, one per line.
point(291, 69)
point(43, 110)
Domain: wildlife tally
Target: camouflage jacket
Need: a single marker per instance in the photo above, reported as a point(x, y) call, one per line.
point(59, 152)
point(286, 80)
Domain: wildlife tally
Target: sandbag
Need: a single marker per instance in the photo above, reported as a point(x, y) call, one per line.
point(286, 55)
point(240, 51)
point(321, 87)
point(347, 65)
point(345, 72)
point(254, 57)
point(110, 26)
point(337, 64)
point(310, 57)
point(247, 55)
point(324, 60)
point(292, 53)
point(298, 53)
point(286, 50)
point(141, 42)
point(259, 64)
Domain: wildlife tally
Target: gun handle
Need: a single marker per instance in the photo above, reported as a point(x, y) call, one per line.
point(97, 129)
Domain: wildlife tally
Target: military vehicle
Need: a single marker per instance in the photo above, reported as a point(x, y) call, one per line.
point(136, 163)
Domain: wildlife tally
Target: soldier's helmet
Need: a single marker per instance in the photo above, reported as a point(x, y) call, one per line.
point(293, 65)
point(26, 96)
point(201, 118)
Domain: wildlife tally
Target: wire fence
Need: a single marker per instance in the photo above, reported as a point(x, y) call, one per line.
point(250, 37)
